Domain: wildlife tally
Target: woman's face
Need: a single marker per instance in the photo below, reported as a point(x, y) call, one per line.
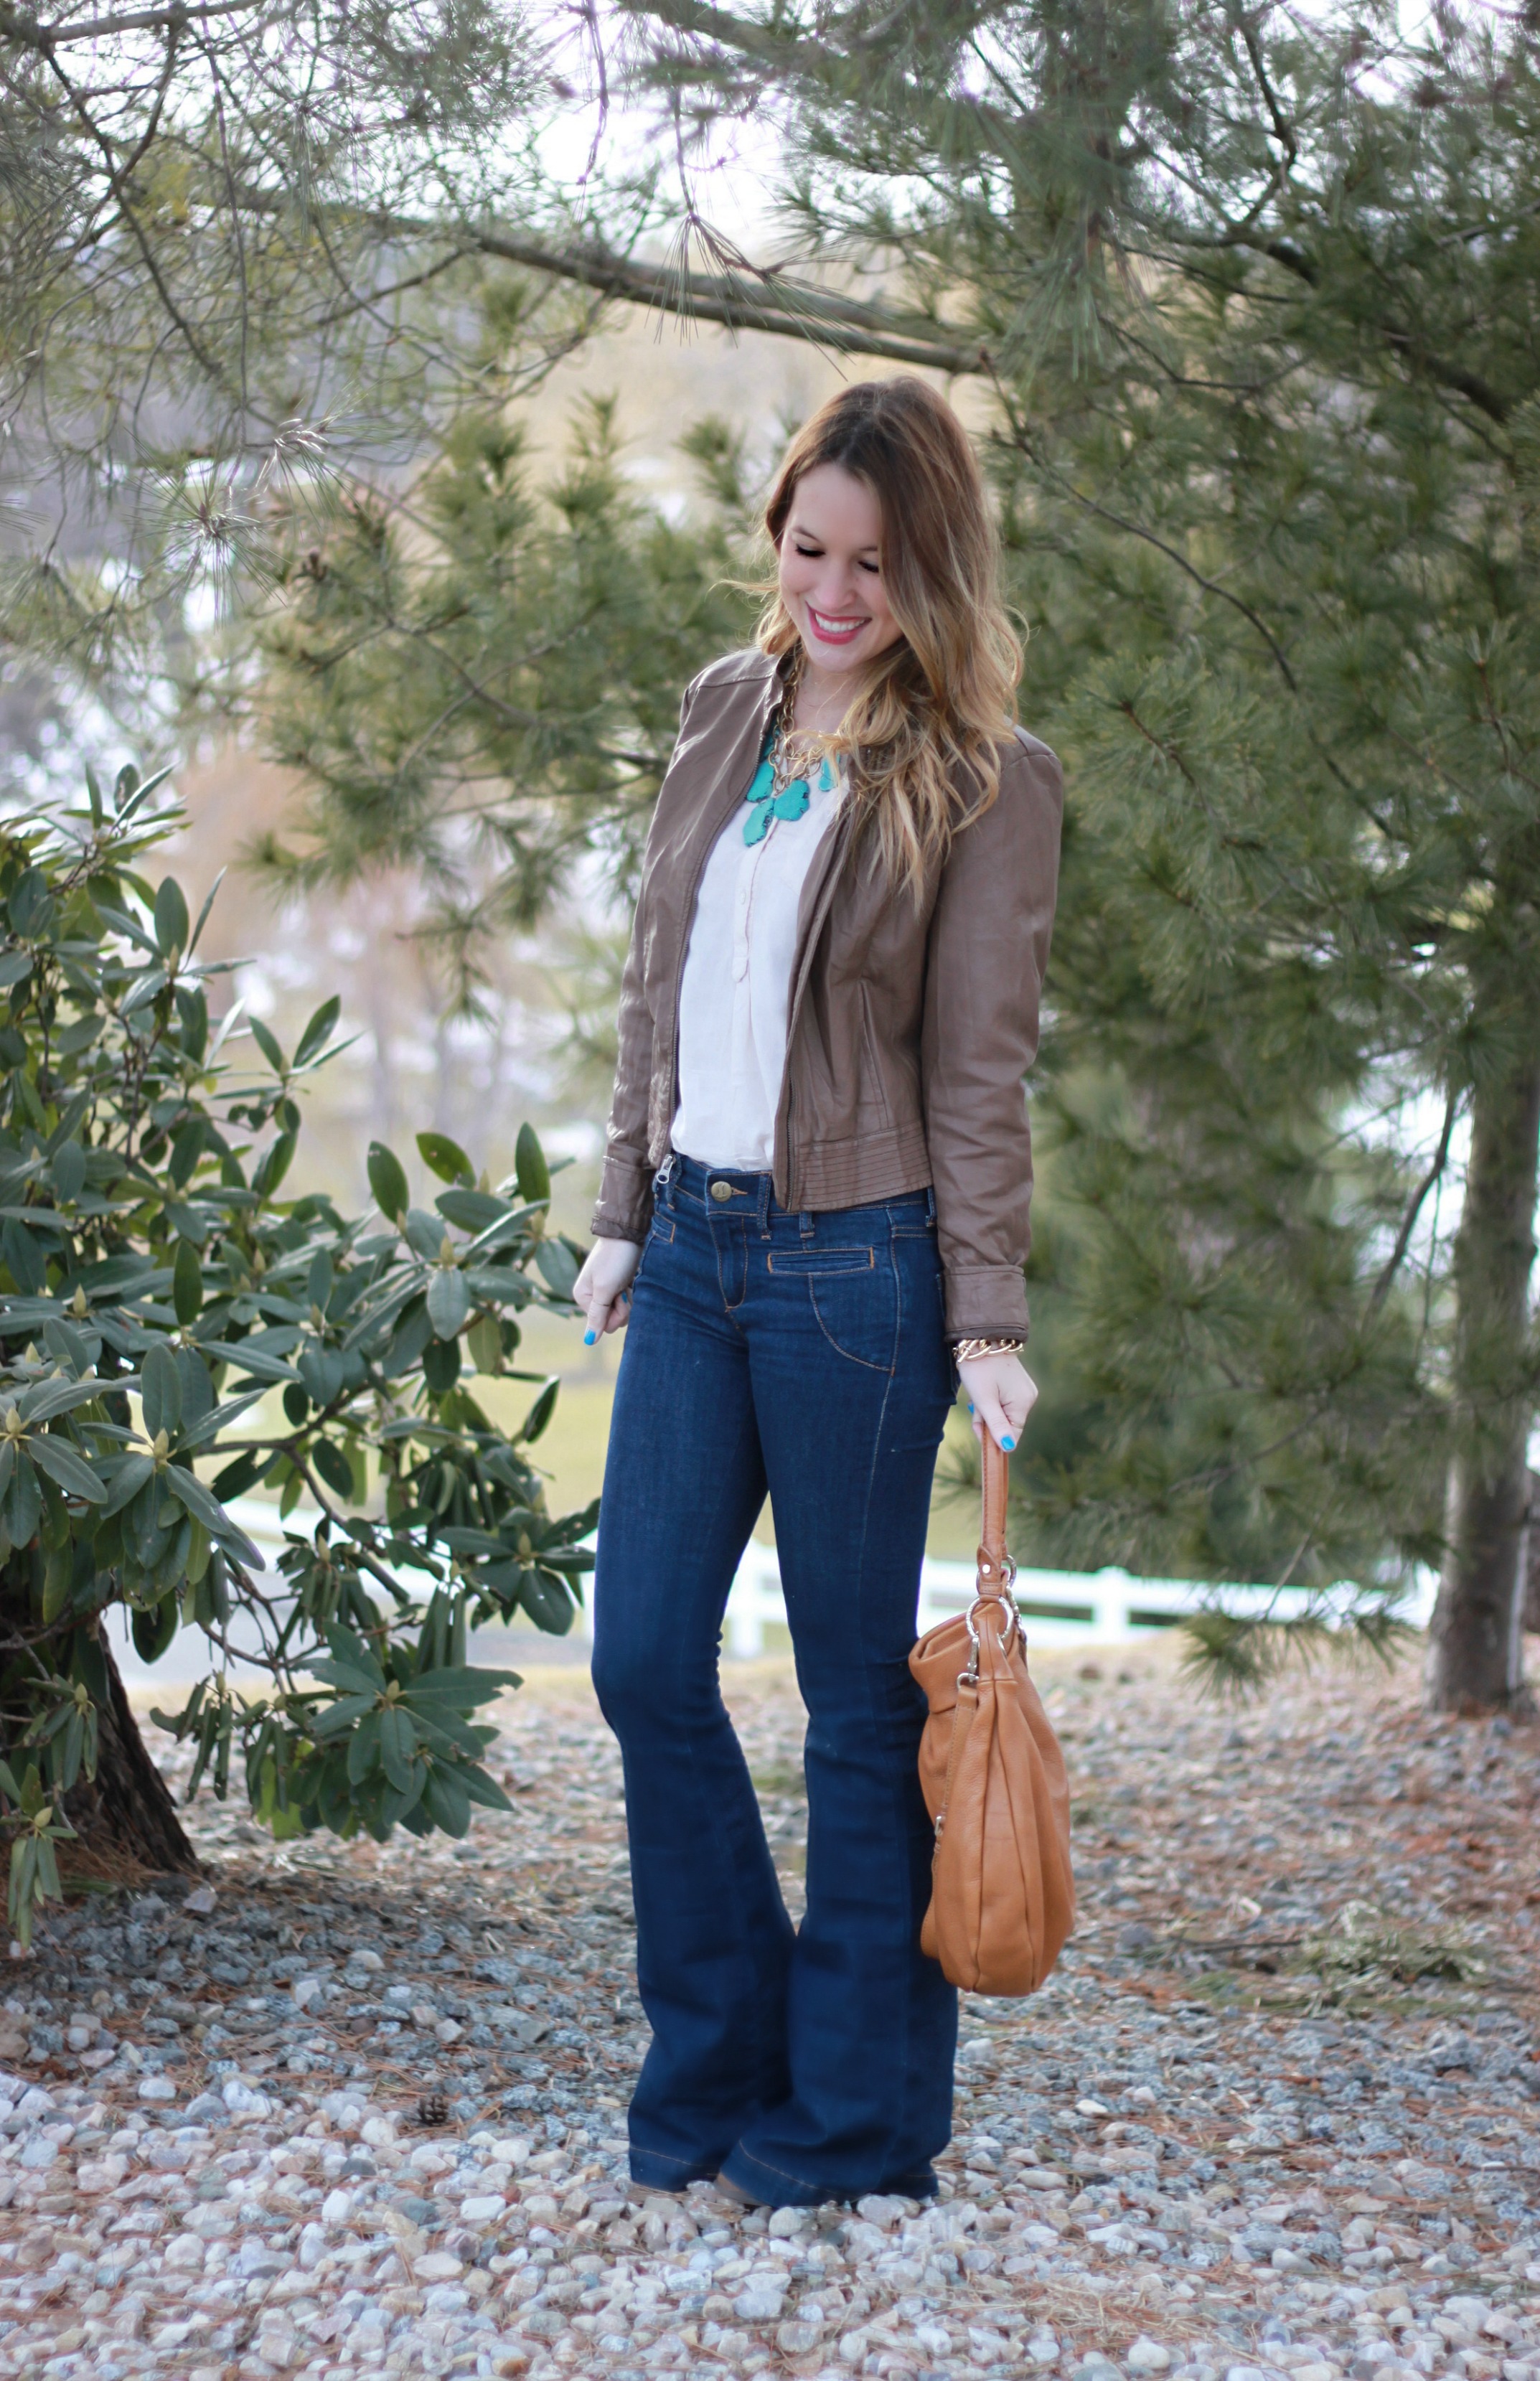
point(830, 570)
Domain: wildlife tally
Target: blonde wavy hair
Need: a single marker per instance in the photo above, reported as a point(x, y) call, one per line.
point(924, 728)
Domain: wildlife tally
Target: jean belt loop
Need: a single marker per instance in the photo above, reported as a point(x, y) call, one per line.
point(762, 1206)
point(930, 1203)
point(804, 1222)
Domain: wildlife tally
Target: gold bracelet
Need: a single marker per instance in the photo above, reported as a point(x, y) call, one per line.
point(966, 1350)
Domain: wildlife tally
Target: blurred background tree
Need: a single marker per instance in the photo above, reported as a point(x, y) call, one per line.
point(1252, 299)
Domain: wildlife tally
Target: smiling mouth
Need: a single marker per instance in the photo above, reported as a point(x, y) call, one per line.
point(836, 631)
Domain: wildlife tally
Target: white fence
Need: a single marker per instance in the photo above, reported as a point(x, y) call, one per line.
point(1059, 1607)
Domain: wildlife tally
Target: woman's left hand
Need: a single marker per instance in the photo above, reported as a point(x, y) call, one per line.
point(1001, 1394)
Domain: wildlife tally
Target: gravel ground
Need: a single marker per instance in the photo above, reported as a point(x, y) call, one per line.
point(342, 2110)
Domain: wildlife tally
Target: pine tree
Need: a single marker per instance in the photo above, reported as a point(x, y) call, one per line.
point(1252, 299)
point(483, 684)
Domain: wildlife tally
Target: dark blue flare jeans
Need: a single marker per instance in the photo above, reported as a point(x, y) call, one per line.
point(802, 1354)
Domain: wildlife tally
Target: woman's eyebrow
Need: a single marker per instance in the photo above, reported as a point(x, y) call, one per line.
point(814, 539)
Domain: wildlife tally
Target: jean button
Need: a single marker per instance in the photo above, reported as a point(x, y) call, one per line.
point(721, 1191)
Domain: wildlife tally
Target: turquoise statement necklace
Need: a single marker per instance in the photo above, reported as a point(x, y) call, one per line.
point(772, 794)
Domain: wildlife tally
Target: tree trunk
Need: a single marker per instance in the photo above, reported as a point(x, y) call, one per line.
point(1475, 1649)
point(1529, 1561)
point(125, 1816)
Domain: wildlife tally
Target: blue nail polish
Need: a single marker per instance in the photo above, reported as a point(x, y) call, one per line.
point(589, 1337)
point(1008, 1444)
point(969, 1409)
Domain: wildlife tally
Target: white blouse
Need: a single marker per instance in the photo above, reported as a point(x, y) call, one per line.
point(737, 983)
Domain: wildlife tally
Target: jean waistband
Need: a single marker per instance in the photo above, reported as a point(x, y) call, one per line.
point(753, 1194)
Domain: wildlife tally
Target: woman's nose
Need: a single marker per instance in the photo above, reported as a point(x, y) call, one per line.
point(834, 593)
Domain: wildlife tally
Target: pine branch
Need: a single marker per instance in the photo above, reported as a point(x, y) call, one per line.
point(28, 33)
point(794, 310)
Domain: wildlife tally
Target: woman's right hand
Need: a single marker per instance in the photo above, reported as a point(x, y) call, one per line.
point(602, 1287)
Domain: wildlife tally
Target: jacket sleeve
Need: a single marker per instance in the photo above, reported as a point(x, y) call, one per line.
point(986, 962)
point(625, 1203)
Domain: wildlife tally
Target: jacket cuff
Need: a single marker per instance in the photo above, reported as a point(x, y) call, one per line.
point(987, 1303)
point(625, 1206)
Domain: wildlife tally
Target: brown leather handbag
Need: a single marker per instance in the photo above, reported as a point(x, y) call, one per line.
point(1002, 1893)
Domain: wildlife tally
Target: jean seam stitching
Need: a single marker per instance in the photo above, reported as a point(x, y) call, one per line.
point(886, 1371)
point(817, 1273)
point(861, 1573)
point(722, 1837)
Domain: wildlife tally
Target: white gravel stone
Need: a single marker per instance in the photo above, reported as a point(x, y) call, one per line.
point(291, 2209)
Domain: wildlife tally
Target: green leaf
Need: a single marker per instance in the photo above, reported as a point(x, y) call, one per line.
point(334, 1717)
point(66, 1466)
point(449, 1301)
point(187, 1148)
point(397, 1745)
point(173, 927)
point(540, 1411)
point(445, 1158)
point(23, 1258)
point(128, 1479)
point(425, 1233)
point(332, 1463)
point(363, 1747)
point(273, 1164)
point(484, 1340)
point(51, 1398)
point(152, 1631)
point(187, 1283)
point(547, 1603)
point(462, 1687)
point(58, 1578)
point(481, 1787)
point(529, 1164)
point(348, 1647)
point(160, 1390)
point(204, 912)
point(194, 1498)
point(445, 1799)
point(23, 1505)
point(31, 905)
point(323, 1372)
point(69, 1172)
point(318, 1031)
point(387, 1181)
point(441, 1365)
point(237, 1477)
point(23, 1877)
point(472, 1211)
point(267, 1043)
point(559, 1266)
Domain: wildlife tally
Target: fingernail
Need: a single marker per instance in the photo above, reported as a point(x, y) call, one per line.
point(589, 1337)
point(1008, 1444)
point(969, 1409)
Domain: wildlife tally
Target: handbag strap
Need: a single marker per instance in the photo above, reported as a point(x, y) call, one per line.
point(995, 1568)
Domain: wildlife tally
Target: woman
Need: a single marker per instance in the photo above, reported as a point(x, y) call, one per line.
point(814, 1202)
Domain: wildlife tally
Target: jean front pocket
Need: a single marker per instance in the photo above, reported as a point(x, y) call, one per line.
point(855, 1298)
point(817, 1261)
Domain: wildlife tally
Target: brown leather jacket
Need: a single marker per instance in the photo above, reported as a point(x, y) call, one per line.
point(911, 1024)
